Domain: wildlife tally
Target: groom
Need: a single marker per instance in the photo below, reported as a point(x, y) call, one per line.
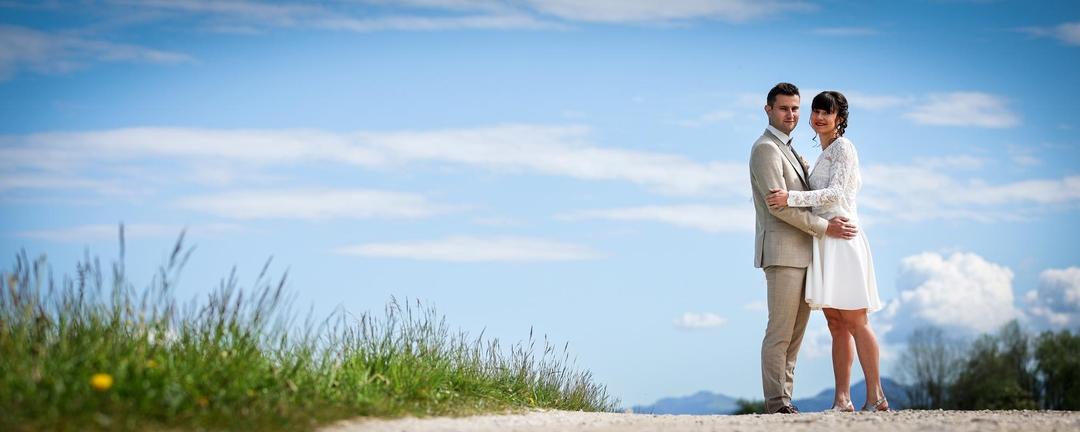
point(783, 244)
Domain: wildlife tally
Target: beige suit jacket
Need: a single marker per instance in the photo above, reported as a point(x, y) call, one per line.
point(782, 237)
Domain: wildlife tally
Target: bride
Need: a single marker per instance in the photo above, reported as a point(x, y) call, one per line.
point(840, 280)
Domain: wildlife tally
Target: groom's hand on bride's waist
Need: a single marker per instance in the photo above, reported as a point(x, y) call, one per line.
point(840, 228)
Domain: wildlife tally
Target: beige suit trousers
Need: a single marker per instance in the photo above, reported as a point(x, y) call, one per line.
point(788, 314)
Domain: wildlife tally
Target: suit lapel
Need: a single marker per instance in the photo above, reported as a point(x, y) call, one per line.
point(795, 162)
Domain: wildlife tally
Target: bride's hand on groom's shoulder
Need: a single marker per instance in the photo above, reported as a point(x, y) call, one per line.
point(777, 199)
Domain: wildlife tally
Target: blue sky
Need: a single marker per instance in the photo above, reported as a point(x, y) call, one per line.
point(576, 167)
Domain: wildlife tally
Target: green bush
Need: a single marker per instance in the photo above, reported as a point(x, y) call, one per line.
point(1005, 370)
point(746, 406)
point(1058, 359)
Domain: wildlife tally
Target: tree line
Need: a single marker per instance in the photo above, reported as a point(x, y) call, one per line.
point(1009, 369)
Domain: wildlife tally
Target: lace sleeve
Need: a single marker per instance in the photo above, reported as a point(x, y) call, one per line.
point(843, 178)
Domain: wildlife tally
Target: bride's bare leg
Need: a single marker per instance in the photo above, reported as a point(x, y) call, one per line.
point(867, 346)
point(843, 353)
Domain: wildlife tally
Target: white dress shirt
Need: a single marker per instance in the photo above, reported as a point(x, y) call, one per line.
point(785, 138)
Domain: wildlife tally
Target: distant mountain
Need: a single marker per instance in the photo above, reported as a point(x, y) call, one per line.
point(700, 403)
point(704, 402)
point(895, 391)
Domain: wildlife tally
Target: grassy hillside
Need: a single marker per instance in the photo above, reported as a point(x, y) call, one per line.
point(87, 351)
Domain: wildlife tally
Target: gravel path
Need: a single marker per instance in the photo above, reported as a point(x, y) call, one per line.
point(907, 421)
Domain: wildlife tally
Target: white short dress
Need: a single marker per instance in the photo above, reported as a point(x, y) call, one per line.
point(841, 273)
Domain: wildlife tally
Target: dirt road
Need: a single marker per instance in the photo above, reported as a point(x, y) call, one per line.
point(901, 421)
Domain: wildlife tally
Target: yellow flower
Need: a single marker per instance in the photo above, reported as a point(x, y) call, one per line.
point(151, 364)
point(101, 381)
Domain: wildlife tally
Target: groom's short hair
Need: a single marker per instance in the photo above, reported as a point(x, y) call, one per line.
point(786, 89)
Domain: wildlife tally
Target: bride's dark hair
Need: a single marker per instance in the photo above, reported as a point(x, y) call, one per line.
point(833, 102)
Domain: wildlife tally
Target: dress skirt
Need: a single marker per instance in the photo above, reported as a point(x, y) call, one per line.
point(841, 275)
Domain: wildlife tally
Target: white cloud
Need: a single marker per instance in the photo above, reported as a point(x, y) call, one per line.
point(278, 13)
point(1023, 156)
point(756, 306)
point(12, 181)
point(817, 340)
point(707, 119)
point(752, 101)
point(241, 145)
point(845, 31)
point(1037, 191)
point(922, 191)
point(22, 48)
point(475, 249)
point(565, 151)
point(112, 163)
point(969, 109)
point(695, 321)
point(1069, 32)
point(973, 109)
point(96, 232)
point(622, 11)
point(314, 204)
point(490, 5)
point(962, 292)
point(498, 221)
point(961, 162)
point(870, 101)
point(535, 149)
point(421, 23)
point(255, 16)
point(857, 100)
point(1025, 160)
point(1056, 303)
point(712, 219)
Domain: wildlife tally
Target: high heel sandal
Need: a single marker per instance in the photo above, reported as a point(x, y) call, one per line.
point(881, 405)
point(849, 407)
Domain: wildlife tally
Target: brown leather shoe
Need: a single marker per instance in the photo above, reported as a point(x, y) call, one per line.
point(787, 409)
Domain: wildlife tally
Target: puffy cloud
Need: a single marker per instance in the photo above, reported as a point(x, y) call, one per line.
point(963, 292)
point(694, 321)
point(1056, 303)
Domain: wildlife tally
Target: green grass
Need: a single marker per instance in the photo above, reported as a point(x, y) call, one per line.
point(238, 360)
